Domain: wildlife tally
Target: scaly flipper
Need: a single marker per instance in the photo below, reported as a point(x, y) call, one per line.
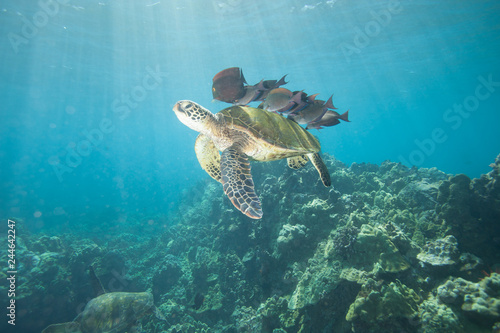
point(321, 167)
point(297, 162)
point(208, 156)
point(237, 182)
point(70, 327)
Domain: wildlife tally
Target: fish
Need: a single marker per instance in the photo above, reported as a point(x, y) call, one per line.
point(199, 298)
point(272, 84)
point(302, 100)
point(278, 99)
point(251, 93)
point(330, 118)
point(268, 85)
point(312, 112)
point(259, 91)
point(229, 85)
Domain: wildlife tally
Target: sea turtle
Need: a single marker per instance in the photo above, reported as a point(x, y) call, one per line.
point(243, 133)
point(109, 312)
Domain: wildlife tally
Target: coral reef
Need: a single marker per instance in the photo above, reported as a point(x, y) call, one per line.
point(479, 300)
point(343, 241)
point(441, 252)
point(291, 237)
point(385, 249)
point(436, 317)
point(383, 308)
point(375, 251)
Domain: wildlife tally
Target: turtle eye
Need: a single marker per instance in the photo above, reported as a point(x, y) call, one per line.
point(188, 105)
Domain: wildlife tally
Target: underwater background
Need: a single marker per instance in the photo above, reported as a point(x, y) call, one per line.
point(97, 170)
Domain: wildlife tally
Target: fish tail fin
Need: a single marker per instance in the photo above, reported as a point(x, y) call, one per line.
point(344, 116)
point(281, 82)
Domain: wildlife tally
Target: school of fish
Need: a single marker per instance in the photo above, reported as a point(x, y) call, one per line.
point(230, 86)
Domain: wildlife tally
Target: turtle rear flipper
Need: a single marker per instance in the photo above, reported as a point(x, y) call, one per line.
point(71, 327)
point(297, 162)
point(318, 163)
point(208, 156)
point(237, 182)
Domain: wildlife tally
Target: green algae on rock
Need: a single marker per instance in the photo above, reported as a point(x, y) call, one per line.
point(480, 300)
point(436, 317)
point(291, 237)
point(380, 307)
point(441, 252)
point(320, 277)
point(375, 250)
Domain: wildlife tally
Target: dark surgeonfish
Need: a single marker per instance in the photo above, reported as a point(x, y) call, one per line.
point(330, 118)
point(109, 312)
point(279, 99)
point(228, 85)
point(251, 94)
point(312, 112)
point(259, 91)
point(267, 85)
point(198, 300)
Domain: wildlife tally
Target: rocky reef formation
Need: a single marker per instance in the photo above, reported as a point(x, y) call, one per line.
point(480, 301)
point(386, 249)
point(441, 252)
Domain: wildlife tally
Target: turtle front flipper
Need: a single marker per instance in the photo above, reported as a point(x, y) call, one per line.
point(297, 162)
point(71, 327)
point(318, 163)
point(237, 182)
point(208, 156)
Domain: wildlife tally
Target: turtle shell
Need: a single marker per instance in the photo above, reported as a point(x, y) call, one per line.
point(270, 127)
point(113, 312)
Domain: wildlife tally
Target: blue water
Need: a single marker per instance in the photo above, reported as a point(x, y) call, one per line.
point(82, 69)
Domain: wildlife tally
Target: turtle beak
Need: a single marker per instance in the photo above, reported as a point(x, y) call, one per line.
point(176, 107)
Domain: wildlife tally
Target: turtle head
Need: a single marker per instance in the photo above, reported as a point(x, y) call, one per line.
point(193, 115)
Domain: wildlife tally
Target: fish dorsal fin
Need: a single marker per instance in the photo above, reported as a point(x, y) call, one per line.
point(242, 77)
point(95, 283)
